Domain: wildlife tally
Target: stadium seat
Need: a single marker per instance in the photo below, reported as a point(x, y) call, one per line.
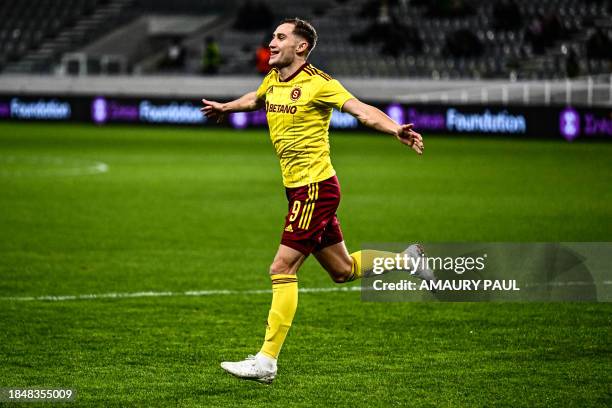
point(35, 26)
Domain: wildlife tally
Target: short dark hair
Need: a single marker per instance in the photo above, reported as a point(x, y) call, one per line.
point(303, 29)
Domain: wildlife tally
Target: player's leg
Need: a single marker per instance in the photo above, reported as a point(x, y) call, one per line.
point(287, 261)
point(336, 260)
point(284, 298)
point(297, 243)
point(262, 367)
point(344, 267)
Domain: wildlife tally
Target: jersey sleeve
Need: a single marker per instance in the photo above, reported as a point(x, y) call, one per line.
point(333, 94)
point(261, 91)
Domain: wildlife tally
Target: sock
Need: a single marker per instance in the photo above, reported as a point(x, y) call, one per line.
point(284, 304)
point(363, 262)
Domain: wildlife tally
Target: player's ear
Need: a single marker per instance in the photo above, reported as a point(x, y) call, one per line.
point(302, 46)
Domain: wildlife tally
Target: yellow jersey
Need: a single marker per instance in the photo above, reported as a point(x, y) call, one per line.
point(298, 111)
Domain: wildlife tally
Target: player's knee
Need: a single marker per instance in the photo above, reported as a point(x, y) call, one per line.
point(342, 273)
point(280, 266)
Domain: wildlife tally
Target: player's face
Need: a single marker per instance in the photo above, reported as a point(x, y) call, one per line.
point(284, 46)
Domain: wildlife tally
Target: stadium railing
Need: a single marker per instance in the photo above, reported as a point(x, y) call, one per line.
point(586, 91)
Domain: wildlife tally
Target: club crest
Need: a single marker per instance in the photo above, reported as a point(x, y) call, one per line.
point(295, 94)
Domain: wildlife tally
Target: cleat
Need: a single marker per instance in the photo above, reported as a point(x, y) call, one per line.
point(250, 369)
point(416, 251)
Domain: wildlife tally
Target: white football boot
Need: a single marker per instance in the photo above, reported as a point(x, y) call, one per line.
point(415, 251)
point(257, 368)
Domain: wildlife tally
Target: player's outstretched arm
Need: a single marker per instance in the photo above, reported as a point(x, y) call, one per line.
point(376, 119)
point(248, 102)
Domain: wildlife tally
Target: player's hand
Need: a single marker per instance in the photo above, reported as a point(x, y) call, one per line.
point(410, 138)
point(212, 110)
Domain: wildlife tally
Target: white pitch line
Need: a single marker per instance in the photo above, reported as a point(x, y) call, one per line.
point(62, 166)
point(221, 292)
point(172, 294)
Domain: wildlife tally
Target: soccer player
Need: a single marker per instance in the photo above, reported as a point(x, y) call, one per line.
point(298, 99)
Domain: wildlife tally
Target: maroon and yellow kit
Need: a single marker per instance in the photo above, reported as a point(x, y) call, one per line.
point(298, 111)
point(311, 223)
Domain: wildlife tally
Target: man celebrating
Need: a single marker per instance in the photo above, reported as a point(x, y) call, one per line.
point(299, 99)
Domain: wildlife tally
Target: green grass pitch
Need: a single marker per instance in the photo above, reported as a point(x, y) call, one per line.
point(197, 209)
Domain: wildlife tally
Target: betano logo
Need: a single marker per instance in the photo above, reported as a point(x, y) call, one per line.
point(280, 108)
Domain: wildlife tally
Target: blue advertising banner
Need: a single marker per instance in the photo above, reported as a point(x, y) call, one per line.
point(568, 123)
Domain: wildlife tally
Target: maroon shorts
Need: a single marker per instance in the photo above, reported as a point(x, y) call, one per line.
point(311, 223)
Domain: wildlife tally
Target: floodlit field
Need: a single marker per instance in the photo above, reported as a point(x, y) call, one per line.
point(124, 210)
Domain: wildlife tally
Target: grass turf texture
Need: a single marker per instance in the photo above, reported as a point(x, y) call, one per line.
point(188, 209)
